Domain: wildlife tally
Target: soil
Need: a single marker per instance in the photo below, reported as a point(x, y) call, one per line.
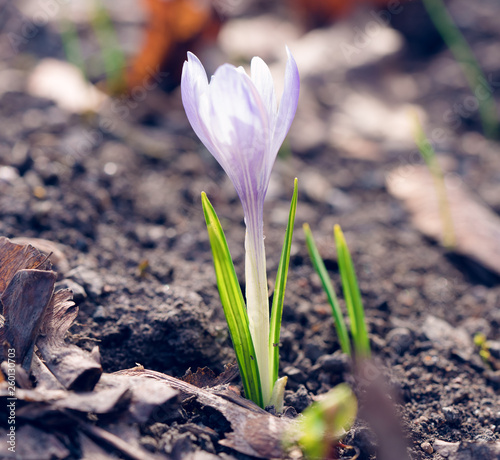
point(124, 206)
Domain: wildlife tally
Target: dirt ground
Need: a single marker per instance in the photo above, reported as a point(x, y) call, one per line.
point(123, 204)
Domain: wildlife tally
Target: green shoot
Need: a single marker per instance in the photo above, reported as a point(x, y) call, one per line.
point(112, 57)
point(111, 54)
point(320, 268)
point(352, 296)
point(326, 422)
point(430, 158)
point(279, 290)
point(482, 343)
point(233, 305)
point(71, 45)
point(235, 309)
point(465, 57)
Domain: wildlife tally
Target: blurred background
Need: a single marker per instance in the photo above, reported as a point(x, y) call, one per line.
point(97, 158)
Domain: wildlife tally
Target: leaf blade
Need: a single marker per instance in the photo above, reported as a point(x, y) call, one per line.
point(279, 290)
point(320, 268)
point(233, 305)
point(352, 296)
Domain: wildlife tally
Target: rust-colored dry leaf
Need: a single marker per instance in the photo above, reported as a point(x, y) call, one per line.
point(321, 12)
point(58, 317)
point(205, 377)
point(15, 257)
point(24, 303)
point(170, 27)
point(74, 368)
point(48, 247)
point(476, 228)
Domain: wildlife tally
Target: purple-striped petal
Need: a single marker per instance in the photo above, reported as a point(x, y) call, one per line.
point(238, 120)
point(194, 89)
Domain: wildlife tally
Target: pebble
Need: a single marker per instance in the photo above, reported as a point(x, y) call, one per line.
point(90, 279)
point(99, 313)
point(314, 350)
point(426, 447)
point(452, 415)
point(446, 337)
point(400, 339)
point(445, 448)
point(335, 363)
point(299, 399)
point(294, 374)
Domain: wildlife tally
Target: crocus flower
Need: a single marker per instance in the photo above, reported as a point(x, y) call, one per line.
point(239, 121)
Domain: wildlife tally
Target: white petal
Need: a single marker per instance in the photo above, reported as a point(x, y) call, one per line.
point(263, 81)
point(288, 103)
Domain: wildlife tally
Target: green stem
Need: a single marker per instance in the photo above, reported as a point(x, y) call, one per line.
point(465, 57)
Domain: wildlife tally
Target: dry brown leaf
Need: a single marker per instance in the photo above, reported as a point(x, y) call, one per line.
point(36, 444)
point(74, 368)
point(255, 431)
point(205, 377)
point(24, 302)
point(476, 227)
point(58, 317)
point(170, 26)
point(15, 257)
point(48, 247)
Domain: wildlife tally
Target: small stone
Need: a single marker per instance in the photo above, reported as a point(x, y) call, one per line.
point(299, 399)
point(149, 443)
point(89, 279)
point(444, 448)
point(399, 339)
point(451, 415)
point(314, 350)
point(99, 313)
point(365, 440)
point(294, 374)
point(485, 436)
point(426, 447)
point(335, 363)
point(446, 337)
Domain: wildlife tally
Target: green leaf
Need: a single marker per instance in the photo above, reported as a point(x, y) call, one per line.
point(113, 58)
point(320, 268)
point(429, 155)
point(352, 296)
point(325, 422)
point(71, 45)
point(279, 290)
point(233, 305)
point(464, 55)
